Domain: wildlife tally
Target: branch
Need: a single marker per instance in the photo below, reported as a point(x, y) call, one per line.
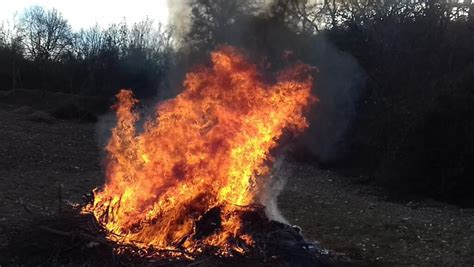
point(79, 234)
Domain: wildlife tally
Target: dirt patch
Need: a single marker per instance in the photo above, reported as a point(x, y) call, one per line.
point(40, 116)
point(37, 162)
point(357, 220)
point(41, 163)
point(24, 110)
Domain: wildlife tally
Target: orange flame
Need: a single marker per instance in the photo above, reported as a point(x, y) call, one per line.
point(208, 147)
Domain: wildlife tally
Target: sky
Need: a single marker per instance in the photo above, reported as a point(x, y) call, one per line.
point(86, 13)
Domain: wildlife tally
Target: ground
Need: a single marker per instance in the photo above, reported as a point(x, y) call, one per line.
point(43, 160)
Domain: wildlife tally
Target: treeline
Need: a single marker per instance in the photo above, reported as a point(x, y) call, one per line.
point(395, 80)
point(415, 119)
point(41, 51)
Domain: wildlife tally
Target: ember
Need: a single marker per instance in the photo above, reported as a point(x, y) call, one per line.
point(191, 180)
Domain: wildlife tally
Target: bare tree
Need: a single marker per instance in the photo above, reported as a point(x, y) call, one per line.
point(88, 43)
point(46, 34)
point(11, 50)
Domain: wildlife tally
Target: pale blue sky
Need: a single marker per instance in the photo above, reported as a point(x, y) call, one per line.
point(85, 13)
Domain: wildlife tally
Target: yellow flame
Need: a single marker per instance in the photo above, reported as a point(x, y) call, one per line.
point(208, 147)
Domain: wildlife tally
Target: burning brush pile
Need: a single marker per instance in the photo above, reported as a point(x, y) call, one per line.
point(191, 181)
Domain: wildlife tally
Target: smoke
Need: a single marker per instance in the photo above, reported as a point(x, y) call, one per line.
point(273, 188)
point(338, 85)
point(179, 17)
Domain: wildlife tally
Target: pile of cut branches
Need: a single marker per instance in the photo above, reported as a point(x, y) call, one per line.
point(72, 238)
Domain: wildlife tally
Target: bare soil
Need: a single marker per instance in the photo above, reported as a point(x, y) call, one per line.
point(42, 161)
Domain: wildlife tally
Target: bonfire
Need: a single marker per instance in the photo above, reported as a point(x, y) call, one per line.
point(191, 180)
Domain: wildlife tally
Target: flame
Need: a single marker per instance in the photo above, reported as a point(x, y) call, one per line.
point(206, 148)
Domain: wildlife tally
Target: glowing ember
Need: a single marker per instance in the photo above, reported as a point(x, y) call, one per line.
point(207, 149)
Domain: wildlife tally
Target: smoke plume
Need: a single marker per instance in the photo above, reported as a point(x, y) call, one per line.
point(179, 17)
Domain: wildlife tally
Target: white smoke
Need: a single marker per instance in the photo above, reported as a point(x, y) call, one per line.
point(276, 183)
point(179, 17)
